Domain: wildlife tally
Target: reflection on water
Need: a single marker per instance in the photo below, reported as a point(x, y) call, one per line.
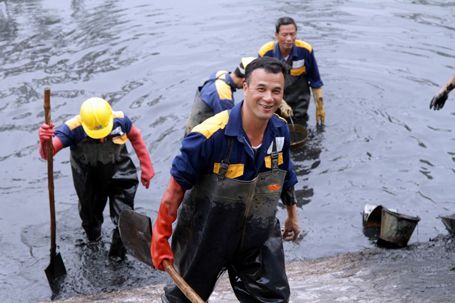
point(381, 61)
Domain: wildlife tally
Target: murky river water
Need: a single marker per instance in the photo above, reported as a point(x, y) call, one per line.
point(381, 62)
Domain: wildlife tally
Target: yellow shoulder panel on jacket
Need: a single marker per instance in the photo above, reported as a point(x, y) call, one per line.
point(212, 124)
point(223, 89)
point(266, 48)
point(301, 43)
point(118, 114)
point(74, 122)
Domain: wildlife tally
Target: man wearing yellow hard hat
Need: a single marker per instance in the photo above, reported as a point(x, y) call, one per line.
point(100, 164)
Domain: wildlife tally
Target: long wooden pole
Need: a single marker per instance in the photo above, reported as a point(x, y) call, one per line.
point(181, 284)
point(50, 170)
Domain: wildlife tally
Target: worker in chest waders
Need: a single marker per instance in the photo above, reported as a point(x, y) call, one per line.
point(234, 168)
point(299, 56)
point(101, 166)
point(216, 94)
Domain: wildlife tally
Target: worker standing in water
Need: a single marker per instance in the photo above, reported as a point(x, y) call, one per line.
point(299, 56)
point(235, 166)
point(101, 166)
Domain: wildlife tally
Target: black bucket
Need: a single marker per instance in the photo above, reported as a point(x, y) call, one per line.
point(449, 223)
point(371, 220)
point(396, 229)
point(299, 135)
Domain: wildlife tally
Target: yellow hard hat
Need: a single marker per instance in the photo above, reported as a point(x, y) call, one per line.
point(96, 117)
point(240, 70)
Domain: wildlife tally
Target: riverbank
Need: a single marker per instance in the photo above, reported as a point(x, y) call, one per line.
point(422, 272)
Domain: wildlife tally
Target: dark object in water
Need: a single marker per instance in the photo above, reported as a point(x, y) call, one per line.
point(136, 234)
point(396, 229)
point(299, 134)
point(449, 223)
point(372, 215)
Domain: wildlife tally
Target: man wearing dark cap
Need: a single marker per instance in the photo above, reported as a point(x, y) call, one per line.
point(216, 94)
point(298, 55)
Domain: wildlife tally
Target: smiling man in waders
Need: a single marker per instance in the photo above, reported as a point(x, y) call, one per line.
point(299, 57)
point(234, 168)
point(101, 166)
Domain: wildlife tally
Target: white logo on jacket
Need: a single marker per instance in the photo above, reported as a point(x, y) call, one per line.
point(298, 63)
point(279, 145)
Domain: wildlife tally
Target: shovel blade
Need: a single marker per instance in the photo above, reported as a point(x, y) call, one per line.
point(136, 233)
point(54, 271)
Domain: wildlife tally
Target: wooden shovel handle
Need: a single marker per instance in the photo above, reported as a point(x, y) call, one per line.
point(181, 284)
point(50, 170)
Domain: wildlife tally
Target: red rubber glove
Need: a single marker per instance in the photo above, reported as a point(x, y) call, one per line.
point(147, 171)
point(46, 133)
point(162, 230)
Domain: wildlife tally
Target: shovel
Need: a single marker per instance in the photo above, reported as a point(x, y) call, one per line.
point(136, 233)
point(56, 268)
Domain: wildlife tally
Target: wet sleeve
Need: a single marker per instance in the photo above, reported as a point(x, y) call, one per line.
point(291, 177)
point(126, 124)
point(192, 161)
point(65, 135)
point(224, 104)
point(313, 72)
point(209, 96)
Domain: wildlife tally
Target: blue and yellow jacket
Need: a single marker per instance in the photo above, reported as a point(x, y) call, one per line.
point(71, 132)
point(301, 62)
point(206, 146)
point(217, 91)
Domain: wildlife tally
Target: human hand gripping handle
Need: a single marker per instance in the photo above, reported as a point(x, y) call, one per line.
point(147, 171)
point(319, 100)
point(46, 133)
point(285, 109)
point(162, 230)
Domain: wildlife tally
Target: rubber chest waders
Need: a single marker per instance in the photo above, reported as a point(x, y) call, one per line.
point(102, 170)
point(228, 224)
point(296, 92)
point(200, 111)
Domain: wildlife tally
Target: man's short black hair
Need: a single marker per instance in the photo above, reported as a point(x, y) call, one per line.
point(269, 64)
point(284, 21)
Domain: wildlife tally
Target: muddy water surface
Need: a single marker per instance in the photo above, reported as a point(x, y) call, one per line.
point(381, 61)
